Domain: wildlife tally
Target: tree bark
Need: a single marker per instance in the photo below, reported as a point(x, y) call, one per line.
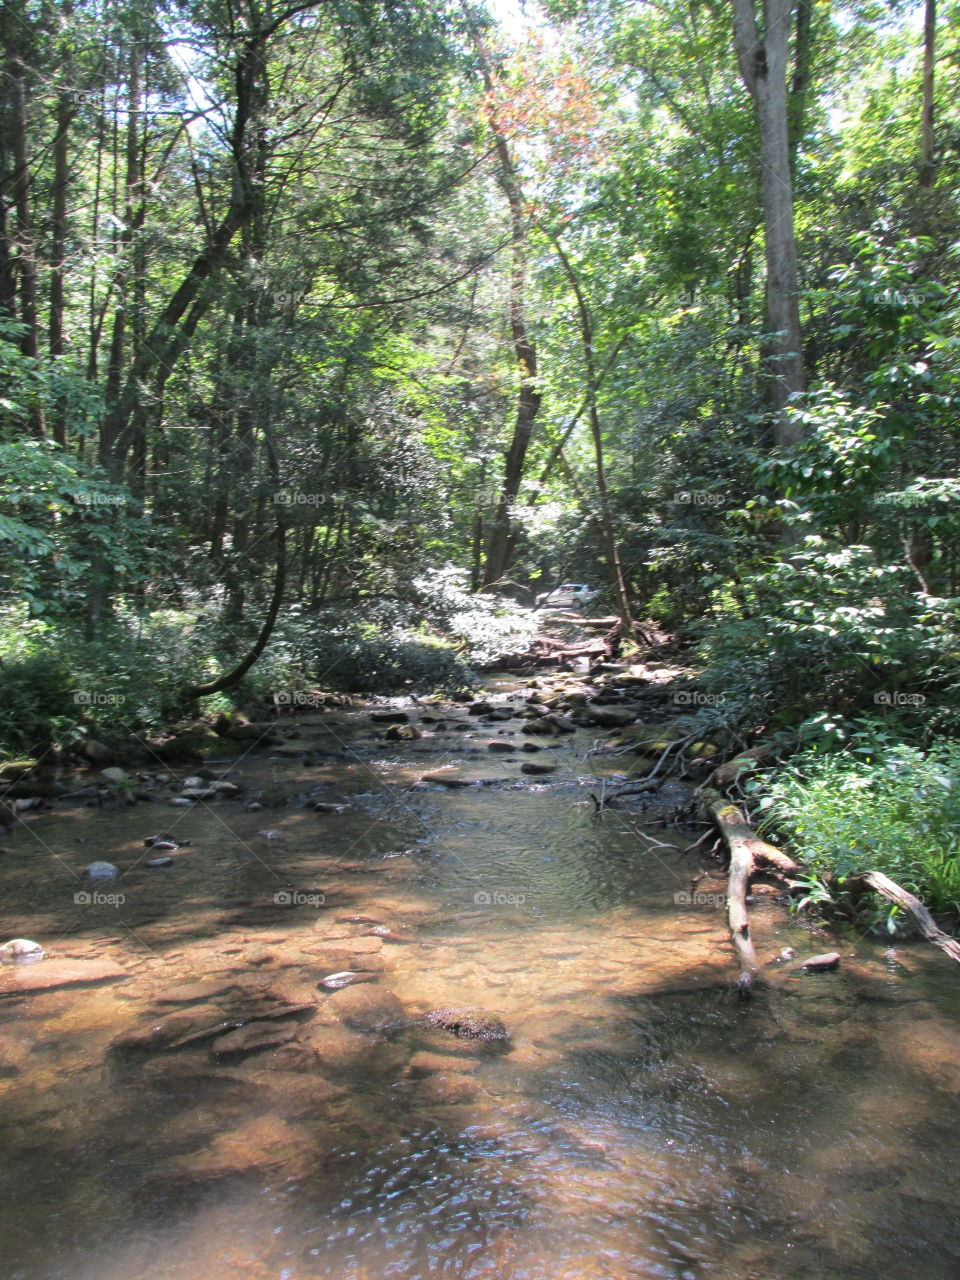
point(529, 398)
point(763, 59)
point(26, 260)
point(617, 581)
point(927, 168)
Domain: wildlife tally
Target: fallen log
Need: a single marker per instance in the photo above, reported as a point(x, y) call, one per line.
point(734, 826)
point(746, 850)
point(726, 774)
point(924, 921)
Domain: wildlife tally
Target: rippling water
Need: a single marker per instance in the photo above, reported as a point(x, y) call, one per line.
point(641, 1123)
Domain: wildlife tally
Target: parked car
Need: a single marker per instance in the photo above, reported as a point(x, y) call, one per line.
point(569, 595)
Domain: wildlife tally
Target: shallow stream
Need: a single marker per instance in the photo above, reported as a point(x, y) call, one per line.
point(639, 1121)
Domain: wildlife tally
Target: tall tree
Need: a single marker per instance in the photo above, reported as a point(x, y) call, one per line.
point(763, 54)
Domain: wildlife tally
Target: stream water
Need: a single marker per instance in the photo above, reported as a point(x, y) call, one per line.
point(639, 1121)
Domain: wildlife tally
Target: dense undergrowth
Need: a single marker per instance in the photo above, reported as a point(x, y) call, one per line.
point(880, 804)
point(58, 688)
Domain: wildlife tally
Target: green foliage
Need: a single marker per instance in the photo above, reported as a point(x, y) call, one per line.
point(363, 657)
point(879, 805)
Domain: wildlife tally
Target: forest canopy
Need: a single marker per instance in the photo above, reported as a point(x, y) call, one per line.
point(333, 334)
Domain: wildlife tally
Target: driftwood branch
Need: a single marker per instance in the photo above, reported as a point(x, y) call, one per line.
point(727, 774)
point(924, 921)
point(746, 851)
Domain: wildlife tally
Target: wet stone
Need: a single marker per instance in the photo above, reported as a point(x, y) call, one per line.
point(468, 1024)
point(48, 975)
point(192, 992)
point(369, 1009)
point(254, 1037)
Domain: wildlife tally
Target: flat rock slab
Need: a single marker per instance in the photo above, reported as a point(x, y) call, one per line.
point(357, 945)
point(48, 975)
point(261, 1144)
point(424, 1063)
point(193, 992)
point(254, 1037)
point(172, 1030)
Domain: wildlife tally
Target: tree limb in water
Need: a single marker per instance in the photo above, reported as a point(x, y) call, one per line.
point(746, 850)
point(924, 921)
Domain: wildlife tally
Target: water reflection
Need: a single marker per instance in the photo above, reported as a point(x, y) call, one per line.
point(642, 1124)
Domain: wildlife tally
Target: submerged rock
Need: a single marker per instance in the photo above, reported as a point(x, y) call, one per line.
point(254, 1037)
point(469, 1024)
point(446, 780)
point(370, 1009)
point(822, 963)
point(60, 973)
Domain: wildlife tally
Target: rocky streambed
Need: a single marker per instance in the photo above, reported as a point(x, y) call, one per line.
point(388, 995)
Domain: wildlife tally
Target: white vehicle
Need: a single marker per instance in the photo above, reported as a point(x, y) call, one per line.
point(569, 595)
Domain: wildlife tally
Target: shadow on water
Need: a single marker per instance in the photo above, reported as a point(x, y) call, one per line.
point(641, 1122)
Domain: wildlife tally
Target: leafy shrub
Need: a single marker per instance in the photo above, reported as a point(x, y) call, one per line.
point(828, 634)
point(482, 626)
point(881, 805)
point(368, 658)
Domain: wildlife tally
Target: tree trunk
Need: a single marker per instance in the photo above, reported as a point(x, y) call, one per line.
point(26, 261)
point(927, 168)
point(617, 581)
point(763, 65)
point(500, 543)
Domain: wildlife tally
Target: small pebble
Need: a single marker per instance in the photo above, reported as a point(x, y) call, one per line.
point(101, 870)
